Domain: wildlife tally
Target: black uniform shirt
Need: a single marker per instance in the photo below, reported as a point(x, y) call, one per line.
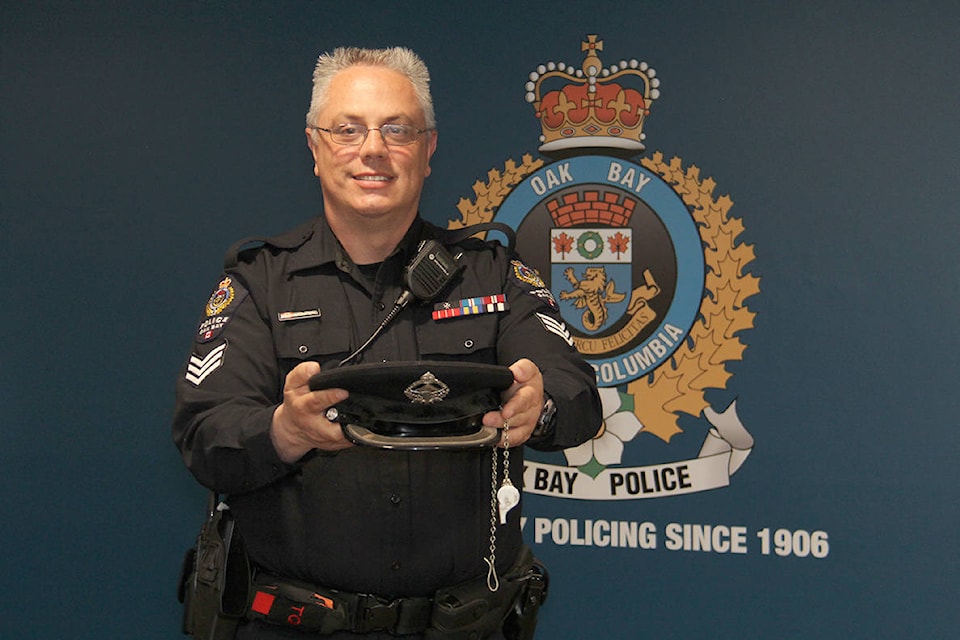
point(365, 520)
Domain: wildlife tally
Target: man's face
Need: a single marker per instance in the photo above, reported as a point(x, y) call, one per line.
point(371, 181)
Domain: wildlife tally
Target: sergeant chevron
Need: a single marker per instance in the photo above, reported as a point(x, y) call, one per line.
point(199, 368)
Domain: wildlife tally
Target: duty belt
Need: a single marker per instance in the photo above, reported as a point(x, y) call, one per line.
point(307, 608)
point(466, 611)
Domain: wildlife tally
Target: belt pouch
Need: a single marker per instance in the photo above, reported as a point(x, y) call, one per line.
point(298, 606)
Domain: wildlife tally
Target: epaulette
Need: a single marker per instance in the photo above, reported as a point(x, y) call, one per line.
point(456, 236)
point(287, 240)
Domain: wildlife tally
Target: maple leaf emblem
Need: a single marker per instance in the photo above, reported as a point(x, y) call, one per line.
point(618, 243)
point(563, 244)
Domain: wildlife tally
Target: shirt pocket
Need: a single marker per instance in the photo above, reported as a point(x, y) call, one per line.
point(305, 339)
point(472, 338)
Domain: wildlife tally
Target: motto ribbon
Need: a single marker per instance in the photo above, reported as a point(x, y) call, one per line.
point(724, 450)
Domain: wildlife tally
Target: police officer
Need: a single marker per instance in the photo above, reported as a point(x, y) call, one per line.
point(362, 524)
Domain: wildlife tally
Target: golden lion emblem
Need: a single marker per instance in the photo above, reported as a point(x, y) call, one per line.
point(592, 294)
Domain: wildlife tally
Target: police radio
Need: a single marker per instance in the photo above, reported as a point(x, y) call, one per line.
point(428, 273)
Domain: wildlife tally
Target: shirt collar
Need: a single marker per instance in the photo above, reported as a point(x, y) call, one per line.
point(322, 247)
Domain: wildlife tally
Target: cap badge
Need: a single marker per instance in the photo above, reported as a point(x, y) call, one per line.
point(427, 390)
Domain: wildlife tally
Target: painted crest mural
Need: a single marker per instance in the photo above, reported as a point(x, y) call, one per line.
point(648, 271)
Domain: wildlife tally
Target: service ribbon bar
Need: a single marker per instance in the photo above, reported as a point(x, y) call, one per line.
point(470, 306)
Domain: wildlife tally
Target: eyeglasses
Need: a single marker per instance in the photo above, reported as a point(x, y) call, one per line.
point(392, 133)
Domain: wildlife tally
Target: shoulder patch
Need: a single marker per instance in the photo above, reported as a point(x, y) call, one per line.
point(547, 297)
point(526, 275)
point(534, 284)
point(221, 297)
point(224, 300)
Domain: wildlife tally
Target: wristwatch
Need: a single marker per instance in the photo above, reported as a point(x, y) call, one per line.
point(547, 417)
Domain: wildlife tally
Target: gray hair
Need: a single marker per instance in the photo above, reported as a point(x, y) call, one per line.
point(397, 58)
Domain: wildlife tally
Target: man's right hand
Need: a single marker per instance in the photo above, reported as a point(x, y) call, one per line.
point(299, 424)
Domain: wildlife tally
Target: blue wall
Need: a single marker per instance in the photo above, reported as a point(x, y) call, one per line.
point(139, 140)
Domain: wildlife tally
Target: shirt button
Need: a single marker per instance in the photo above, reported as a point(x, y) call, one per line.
point(396, 565)
point(303, 348)
point(381, 306)
point(468, 344)
point(395, 498)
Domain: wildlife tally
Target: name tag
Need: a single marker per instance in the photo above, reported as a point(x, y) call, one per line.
point(286, 316)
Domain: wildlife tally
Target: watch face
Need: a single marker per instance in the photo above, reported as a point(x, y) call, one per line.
point(546, 417)
point(548, 410)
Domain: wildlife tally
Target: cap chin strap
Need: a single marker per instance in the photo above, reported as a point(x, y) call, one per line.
point(361, 435)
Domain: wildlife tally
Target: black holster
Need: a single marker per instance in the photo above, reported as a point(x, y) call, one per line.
point(470, 611)
point(215, 578)
point(521, 621)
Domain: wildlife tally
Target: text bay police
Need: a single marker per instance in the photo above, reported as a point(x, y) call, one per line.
point(663, 479)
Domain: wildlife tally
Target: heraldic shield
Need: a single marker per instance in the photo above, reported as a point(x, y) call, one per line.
point(590, 273)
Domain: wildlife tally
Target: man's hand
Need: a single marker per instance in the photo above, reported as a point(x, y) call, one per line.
point(299, 424)
point(522, 403)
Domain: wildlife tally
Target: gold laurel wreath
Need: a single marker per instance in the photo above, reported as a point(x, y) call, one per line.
point(699, 363)
point(491, 194)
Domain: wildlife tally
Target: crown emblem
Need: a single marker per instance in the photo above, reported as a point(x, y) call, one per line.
point(592, 106)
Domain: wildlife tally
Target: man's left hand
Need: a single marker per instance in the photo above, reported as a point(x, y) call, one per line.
point(522, 403)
